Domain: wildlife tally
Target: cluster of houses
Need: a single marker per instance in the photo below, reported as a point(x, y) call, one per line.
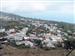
point(52, 39)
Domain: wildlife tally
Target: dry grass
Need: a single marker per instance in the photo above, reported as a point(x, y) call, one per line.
point(12, 51)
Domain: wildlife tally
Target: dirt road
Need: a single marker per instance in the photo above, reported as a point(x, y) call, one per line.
point(12, 51)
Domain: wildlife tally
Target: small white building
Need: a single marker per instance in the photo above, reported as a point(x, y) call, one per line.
point(48, 43)
point(10, 31)
point(24, 30)
point(2, 30)
point(26, 43)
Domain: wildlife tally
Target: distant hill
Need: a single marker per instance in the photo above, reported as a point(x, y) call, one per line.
point(5, 17)
point(9, 16)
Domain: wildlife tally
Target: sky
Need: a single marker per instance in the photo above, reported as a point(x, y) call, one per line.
point(56, 10)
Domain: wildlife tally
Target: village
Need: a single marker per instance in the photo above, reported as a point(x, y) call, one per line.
point(37, 35)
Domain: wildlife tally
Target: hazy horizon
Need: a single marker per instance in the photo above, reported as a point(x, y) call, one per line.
point(55, 10)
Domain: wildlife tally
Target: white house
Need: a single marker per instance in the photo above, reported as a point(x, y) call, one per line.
point(10, 31)
point(48, 43)
point(2, 30)
point(24, 30)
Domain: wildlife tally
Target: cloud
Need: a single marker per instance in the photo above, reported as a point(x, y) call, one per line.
point(40, 8)
point(36, 6)
point(13, 5)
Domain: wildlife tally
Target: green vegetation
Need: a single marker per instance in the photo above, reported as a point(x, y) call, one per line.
point(3, 34)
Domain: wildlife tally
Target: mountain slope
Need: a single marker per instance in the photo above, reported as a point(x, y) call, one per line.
point(5, 17)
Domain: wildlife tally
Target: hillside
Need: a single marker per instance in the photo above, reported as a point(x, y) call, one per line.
point(52, 32)
point(5, 18)
point(12, 51)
